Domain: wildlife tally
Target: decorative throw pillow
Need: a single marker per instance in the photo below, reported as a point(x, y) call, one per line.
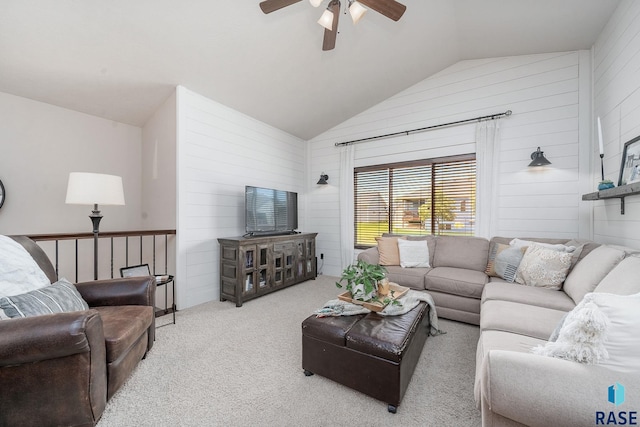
point(602, 329)
point(519, 243)
point(60, 297)
point(19, 273)
point(504, 261)
point(622, 341)
point(580, 337)
point(413, 253)
point(544, 268)
point(388, 250)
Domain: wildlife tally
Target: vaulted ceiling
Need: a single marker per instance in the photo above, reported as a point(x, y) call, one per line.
point(120, 59)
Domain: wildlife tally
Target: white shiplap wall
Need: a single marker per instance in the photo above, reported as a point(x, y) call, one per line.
point(547, 94)
point(616, 77)
point(219, 152)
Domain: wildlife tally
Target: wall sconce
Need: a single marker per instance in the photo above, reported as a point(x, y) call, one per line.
point(323, 179)
point(538, 158)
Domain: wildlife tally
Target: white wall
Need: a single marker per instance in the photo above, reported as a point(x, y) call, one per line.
point(545, 93)
point(616, 59)
point(219, 152)
point(40, 144)
point(159, 168)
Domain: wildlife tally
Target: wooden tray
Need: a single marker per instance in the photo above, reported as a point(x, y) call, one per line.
point(399, 291)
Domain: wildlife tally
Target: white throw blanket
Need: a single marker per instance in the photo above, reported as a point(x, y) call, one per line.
point(19, 273)
point(336, 307)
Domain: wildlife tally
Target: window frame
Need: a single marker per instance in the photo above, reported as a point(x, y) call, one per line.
point(398, 165)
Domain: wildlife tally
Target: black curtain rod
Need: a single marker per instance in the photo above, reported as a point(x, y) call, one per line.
point(407, 132)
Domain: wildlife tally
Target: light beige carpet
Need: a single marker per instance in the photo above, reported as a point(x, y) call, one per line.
point(227, 366)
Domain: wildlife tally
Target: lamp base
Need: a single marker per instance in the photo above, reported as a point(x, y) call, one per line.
point(95, 220)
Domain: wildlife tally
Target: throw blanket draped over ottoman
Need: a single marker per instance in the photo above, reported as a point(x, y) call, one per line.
point(373, 354)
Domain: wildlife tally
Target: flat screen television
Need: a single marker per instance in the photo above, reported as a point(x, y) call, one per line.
point(269, 211)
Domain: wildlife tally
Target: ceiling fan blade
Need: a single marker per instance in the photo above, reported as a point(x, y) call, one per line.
point(269, 6)
point(389, 8)
point(329, 41)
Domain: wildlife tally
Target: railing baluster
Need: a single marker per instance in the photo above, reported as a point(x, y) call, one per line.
point(154, 254)
point(57, 272)
point(76, 260)
point(111, 257)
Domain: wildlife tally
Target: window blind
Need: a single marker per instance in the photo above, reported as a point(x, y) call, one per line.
point(431, 196)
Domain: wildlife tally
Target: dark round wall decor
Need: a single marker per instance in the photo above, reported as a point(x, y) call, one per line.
point(2, 194)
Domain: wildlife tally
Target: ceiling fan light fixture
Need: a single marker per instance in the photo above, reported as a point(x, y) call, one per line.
point(357, 11)
point(326, 20)
point(315, 3)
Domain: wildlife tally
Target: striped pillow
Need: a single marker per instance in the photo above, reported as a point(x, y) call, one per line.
point(59, 297)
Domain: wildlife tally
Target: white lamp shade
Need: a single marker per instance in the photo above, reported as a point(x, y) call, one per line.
point(357, 11)
point(326, 20)
point(94, 188)
point(315, 3)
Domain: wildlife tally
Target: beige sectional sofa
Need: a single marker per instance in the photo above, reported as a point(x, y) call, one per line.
point(513, 385)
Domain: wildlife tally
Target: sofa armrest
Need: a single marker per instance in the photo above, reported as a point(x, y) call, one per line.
point(126, 291)
point(53, 369)
point(371, 255)
point(34, 339)
point(542, 391)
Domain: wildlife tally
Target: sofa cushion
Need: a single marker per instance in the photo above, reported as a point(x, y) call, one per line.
point(457, 281)
point(623, 279)
point(388, 250)
point(461, 252)
point(523, 319)
point(587, 273)
point(61, 297)
point(543, 267)
point(123, 326)
point(541, 297)
point(411, 277)
point(413, 253)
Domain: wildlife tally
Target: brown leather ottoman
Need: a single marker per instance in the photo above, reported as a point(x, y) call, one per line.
point(370, 353)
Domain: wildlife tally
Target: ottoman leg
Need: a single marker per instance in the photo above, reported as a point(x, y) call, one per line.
point(307, 373)
point(392, 408)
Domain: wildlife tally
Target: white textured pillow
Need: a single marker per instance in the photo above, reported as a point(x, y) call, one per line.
point(587, 340)
point(580, 337)
point(622, 341)
point(19, 273)
point(413, 253)
point(519, 243)
point(544, 268)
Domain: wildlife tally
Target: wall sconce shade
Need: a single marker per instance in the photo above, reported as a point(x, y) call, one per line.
point(315, 3)
point(538, 158)
point(94, 188)
point(323, 179)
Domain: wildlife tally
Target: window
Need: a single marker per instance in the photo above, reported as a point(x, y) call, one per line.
point(432, 196)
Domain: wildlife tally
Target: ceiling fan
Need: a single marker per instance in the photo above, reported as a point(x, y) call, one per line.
point(329, 19)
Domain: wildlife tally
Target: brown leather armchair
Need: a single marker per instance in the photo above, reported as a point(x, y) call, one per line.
point(60, 369)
